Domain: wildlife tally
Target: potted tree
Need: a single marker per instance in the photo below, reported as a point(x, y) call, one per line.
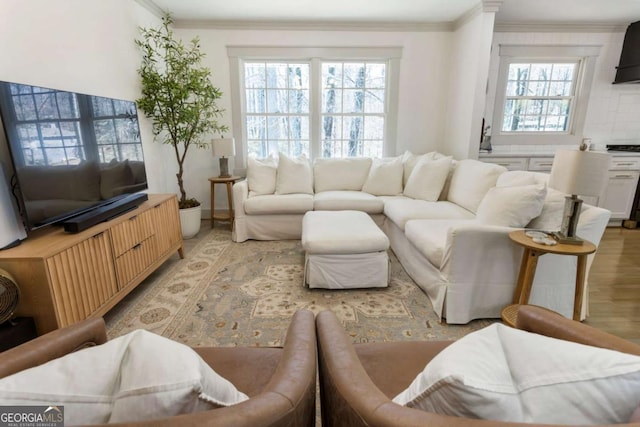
point(180, 100)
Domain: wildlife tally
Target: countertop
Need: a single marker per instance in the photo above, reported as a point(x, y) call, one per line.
point(519, 154)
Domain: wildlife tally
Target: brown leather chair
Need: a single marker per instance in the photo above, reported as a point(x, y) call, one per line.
point(280, 382)
point(357, 382)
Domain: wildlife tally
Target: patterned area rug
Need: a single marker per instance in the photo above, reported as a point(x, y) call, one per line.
point(228, 294)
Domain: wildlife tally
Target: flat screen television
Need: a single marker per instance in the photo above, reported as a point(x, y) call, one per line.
point(71, 153)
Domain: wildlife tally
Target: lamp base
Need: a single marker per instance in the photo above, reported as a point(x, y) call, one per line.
point(561, 238)
point(224, 168)
point(570, 216)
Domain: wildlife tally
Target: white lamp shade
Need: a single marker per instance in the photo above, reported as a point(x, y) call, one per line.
point(224, 147)
point(583, 173)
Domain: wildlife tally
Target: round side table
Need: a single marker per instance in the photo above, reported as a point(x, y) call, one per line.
point(228, 181)
point(527, 272)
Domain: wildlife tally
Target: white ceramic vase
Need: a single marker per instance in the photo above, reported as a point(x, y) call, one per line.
point(190, 221)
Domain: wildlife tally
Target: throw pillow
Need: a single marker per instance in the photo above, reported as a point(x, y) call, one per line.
point(427, 179)
point(511, 206)
point(502, 373)
point(471, 180)
point(550, 218)
point(138, 376)
point(261, 176)
point(294, 175)
point(410, 160)
point(385, 177)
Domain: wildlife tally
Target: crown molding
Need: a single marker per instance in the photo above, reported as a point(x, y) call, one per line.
point(560, 27)
point(151, 7)
point(315, 25)
point(491, 5)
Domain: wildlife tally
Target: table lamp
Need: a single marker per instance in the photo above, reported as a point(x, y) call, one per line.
point(224, 148)
point(577, 172)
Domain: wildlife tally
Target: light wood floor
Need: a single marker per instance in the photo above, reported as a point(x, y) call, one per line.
point(614, 284)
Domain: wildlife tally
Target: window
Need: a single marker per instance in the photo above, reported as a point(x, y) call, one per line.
point(320, 102)
point(542, 93)
point(55, 127)
point(277, 108)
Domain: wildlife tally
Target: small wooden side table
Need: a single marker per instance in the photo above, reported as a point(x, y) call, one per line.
point(228, 181)
point(528, 270)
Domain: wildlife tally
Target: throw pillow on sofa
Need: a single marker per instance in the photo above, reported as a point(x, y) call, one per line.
point(506, 374)
point(138, 376)
point(410, 160)
point(385, 177)
point(512, 206)
point(294, 175)
point(427, 179)
point(470, 181)
point(261, 175)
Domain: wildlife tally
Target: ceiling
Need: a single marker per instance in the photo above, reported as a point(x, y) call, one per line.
point(398, 11)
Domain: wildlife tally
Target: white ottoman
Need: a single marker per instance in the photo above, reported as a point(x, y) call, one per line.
point(344, 250)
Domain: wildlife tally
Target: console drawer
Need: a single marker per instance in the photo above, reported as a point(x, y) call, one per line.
point(135, 261)
point(130, 232)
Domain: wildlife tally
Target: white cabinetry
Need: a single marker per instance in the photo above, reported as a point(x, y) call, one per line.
point(621, 189)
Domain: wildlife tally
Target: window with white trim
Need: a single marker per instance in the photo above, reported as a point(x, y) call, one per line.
point(542, 93)
point(321, 102)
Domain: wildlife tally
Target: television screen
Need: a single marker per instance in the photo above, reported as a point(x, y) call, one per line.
point(71, 152)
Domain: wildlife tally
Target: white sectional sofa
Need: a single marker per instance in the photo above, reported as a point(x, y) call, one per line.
point(447, 222)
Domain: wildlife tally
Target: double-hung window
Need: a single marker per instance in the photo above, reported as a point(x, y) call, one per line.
point(320, 102)
point(542, 93)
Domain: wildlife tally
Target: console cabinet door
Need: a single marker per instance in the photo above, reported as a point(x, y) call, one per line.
point(167, 225)
point(82, 278)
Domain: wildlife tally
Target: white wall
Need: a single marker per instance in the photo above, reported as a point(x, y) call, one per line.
point(467, 85)
point(613, 114)
point(81, 46)
point(423, 69)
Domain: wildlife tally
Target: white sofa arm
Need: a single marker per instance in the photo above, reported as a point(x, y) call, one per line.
point(478, 252)
point(480, 267)
point(240, 194)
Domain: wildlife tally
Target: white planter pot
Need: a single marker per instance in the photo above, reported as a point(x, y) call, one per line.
point(190, 221)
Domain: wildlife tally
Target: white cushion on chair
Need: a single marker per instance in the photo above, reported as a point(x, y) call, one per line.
point(139, 376)
point(347, 200)
point(502, 373)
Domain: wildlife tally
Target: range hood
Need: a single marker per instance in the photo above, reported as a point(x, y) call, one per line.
point(628, 70)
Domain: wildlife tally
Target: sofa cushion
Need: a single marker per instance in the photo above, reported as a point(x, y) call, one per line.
point(341, 232)
point(138, 376)
point(515, 178)
point(470, 182)
point(402, 209)
point(502, 373)
point(410, 160)
point(550, 218)
point(427, 179)
point(429, 236)
point(385, 177)
point(261, 175)
point(278, 204)
point(512, 206)
point(340, 174)
point(347, 200)
point(294, 175)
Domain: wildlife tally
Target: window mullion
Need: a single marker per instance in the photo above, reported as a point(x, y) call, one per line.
point(315, 108)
